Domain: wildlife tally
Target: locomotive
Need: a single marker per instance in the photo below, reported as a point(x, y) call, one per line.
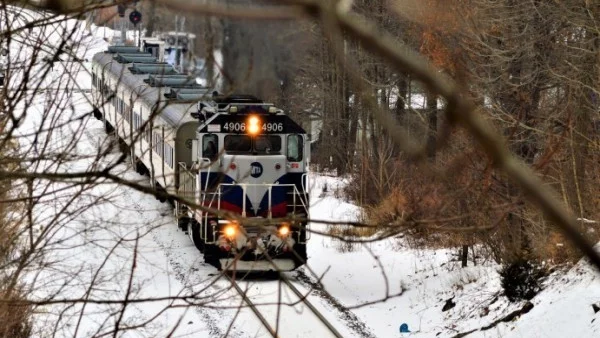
point(238, 164)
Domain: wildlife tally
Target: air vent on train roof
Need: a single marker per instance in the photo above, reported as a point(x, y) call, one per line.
point(153, 68)
point(190, 97)
point(122, 49)
point(131, 58)
point(136, 54)
point(171, 81)
point(176, 93)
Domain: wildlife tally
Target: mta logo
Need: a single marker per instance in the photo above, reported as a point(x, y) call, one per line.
point(256, 169)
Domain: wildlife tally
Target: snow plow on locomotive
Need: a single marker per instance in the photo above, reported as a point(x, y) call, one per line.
point(242, 160)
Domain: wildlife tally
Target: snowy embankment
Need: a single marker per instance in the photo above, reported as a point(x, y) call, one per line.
point(420, 283)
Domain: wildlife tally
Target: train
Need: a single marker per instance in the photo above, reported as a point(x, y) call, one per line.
point(237, 165)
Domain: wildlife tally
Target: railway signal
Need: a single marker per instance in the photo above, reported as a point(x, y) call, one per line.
point(121, 10)
point(135, 17)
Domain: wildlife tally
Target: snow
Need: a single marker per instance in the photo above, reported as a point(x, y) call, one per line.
point(373, 287)
point(417, 283)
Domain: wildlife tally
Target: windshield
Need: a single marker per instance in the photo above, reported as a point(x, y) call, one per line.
point(245, 144)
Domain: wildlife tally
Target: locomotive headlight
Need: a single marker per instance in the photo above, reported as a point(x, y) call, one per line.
point(253, 125)
point(284, 230)
point(230, 231)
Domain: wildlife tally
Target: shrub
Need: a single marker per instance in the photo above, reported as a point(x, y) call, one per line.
point(521, 280)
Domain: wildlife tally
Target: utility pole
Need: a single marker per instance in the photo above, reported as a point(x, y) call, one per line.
point(181, 59)
point(123, 32)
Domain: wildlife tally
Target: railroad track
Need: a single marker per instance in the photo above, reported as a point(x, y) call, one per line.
point(351, 320)
point(295, 291)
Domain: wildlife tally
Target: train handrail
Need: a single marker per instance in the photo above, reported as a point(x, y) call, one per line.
point(218, 193)
point(305, 184)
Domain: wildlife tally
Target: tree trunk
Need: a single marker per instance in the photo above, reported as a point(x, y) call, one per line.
point(432, 112)
point(209, 49)
point(464, 255)
point(151, 19)
point(400, 107)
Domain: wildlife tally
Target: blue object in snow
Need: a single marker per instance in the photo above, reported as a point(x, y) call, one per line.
point(404, 328)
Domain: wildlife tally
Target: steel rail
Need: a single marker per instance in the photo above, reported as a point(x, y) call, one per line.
point(252, 306)
point(304, 299)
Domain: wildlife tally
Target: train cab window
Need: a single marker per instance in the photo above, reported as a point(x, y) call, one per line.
point(210, 146)
point(238, 143)
point(294, 148)
point(267, 144)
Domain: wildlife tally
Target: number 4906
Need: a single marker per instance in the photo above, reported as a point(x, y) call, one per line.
point(272, 127)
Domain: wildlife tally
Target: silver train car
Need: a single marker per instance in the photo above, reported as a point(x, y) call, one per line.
point(243, 161)
point(157, 130)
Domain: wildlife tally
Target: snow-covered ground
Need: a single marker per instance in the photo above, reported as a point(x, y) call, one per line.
point(112, 243)
point(415, 285)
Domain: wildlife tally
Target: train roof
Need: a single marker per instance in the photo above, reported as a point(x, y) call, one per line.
point(174, 112)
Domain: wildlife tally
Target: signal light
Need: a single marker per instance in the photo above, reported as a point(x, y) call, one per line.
point(135, 17)
point(121, 10)
point(253, 125)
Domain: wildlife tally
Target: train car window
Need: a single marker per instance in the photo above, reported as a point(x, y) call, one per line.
point(169, 155)
point(267, 144)
point(210, 146)
point(148, 133)
point(127, 113)
point(238, 143)
point(294, 148)
point(154, 141)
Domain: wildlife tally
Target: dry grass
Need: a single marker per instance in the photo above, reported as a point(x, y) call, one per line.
point(391, 209)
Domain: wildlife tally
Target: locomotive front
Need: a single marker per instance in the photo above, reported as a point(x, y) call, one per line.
point(253, 161)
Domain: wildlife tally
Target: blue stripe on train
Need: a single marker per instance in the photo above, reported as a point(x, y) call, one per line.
point(231, 197)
